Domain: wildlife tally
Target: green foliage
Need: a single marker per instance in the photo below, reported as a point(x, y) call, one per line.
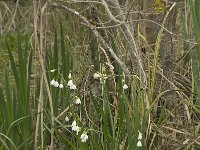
point(15, 114)
point(195, 9)
point(114, 122)
point(112, 118)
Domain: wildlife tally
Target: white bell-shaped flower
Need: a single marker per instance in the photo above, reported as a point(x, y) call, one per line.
point(73, 87)
point(84, 137)
point(66, 118)
point(75, 127)
point(74, 123)
point(125, 86)
point(61, 86)
point(78, 101)
point(140, 136)
point(52, 82)
point(139, 144)
point(53, 70)
point(56, 84)
point(69, 76)
point(70, 83)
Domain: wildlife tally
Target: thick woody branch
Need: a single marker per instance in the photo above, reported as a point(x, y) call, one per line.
point(103, 42)
point(127, 33)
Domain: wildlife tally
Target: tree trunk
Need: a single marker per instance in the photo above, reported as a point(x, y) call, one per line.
point(151, 30)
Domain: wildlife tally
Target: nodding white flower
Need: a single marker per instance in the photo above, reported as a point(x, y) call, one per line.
point(56, 84)
point(61, 86)
point(75, 127)
point(70, 83)
point(52, 82)
point(66, 118)
point(139, 136)
point(53, 70)
point(84, 137)
point(125, 86)
point(74, 123)
point(73, 87)
point(78, 101)
point(139, 144)
point(70, 76)
point(96, 76)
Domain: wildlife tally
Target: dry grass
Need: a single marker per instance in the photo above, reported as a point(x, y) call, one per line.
point(167, 126)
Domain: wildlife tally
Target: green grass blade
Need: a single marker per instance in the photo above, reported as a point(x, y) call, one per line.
point(13, 66)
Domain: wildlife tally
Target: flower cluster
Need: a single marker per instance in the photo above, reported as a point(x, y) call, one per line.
point(70, 83)
point(139, 143)
point(103, 77)
point(56, 84)
point(76, 128)
point(77, 101)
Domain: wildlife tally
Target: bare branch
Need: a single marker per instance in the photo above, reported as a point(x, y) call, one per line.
point(103, 42)
point(130, 39)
